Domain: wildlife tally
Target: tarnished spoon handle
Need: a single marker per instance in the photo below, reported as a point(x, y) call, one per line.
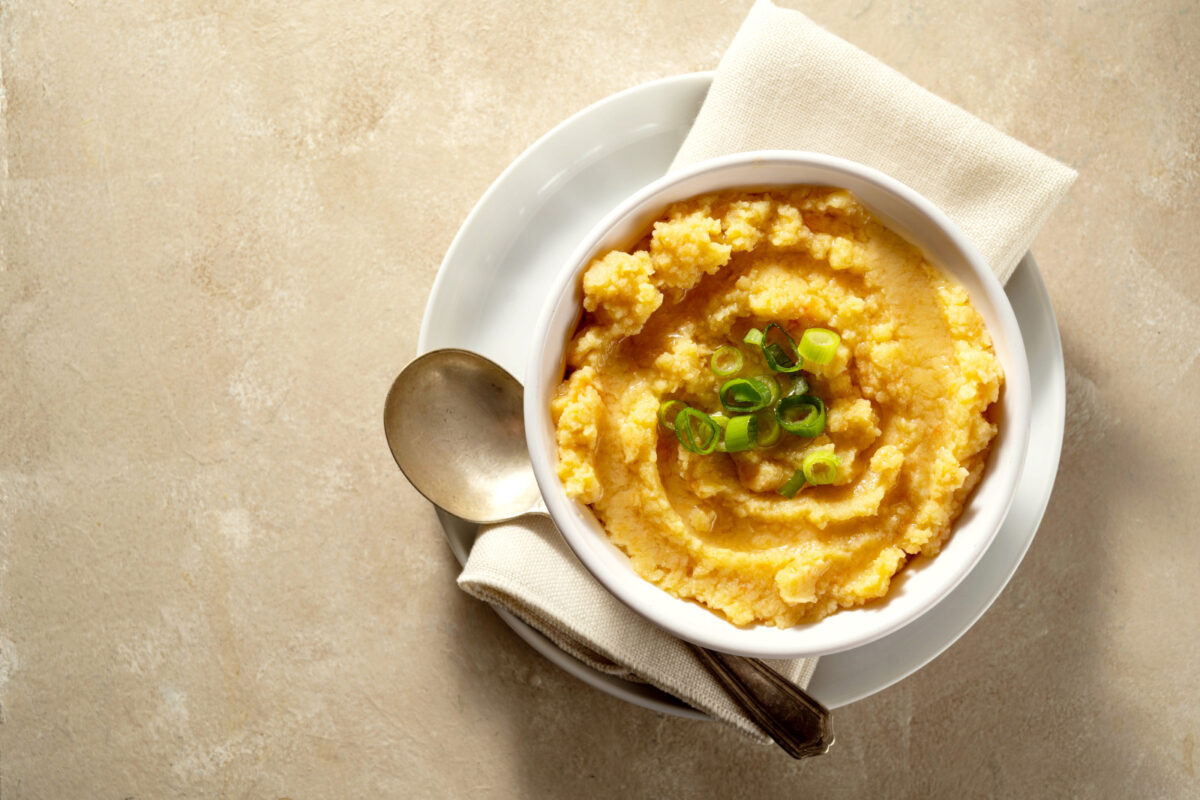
point(788, 714)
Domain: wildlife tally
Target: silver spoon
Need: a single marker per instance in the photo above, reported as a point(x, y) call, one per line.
point(454, 423)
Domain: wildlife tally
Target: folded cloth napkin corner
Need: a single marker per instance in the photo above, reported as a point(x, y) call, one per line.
point(784, 83)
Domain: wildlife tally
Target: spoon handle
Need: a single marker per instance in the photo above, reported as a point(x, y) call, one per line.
point(788, 714)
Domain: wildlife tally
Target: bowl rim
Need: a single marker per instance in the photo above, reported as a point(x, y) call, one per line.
point(564, 511)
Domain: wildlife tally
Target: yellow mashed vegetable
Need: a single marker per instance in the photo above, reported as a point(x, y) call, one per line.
point(908, 396)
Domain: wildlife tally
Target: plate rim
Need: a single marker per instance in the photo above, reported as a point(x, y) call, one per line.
point(637, 693)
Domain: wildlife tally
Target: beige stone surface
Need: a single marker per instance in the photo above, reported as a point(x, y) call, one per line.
point(220, 223)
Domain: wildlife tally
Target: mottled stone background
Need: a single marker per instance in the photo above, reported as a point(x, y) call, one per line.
point(220, 223)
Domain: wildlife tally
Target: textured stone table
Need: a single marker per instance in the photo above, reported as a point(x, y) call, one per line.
point(220, 224)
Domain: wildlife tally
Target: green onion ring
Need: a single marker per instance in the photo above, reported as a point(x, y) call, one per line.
point(753, 337)
point(821, 467)
point(726, 360)
point(741, 433)
point(768, 429)
point(768, 380)
point(745, 395)
point(778, 357)
point(793, 484)
point(818, 345)
point(667, 412)
point(686, 434)
point(812, 423)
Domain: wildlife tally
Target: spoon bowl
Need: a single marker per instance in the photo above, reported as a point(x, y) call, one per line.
point(454, 423)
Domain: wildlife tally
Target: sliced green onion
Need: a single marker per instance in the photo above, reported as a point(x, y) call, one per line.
point(818, 345)
point(744, 395)
point(820, 467)
point(772, 384)
point(768, 429)
point(668, 411)
point(781, 355)
point(799, 385)
point(793, 484)
point(753, 337)
point(688, 423)
point(722, 419)
point(802, 415)
point(741, 433)
point(726, 360)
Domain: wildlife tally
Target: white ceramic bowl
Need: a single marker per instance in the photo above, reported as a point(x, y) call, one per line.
point(923, 582)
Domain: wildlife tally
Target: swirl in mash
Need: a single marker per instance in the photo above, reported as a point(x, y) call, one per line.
point(908, 395)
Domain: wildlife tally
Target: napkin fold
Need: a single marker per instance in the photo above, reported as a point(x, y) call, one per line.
point(787, 83)
point(526, 567)
point(784, 83)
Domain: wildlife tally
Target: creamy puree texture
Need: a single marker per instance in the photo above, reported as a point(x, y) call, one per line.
point(908, 395)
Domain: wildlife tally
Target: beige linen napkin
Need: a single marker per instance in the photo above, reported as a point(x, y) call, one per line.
point(787, 83)
point(784, 83)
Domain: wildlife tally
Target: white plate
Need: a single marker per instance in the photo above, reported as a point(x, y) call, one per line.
point(492, 284)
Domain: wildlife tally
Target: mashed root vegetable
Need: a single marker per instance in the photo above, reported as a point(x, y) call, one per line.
point(908, 395)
